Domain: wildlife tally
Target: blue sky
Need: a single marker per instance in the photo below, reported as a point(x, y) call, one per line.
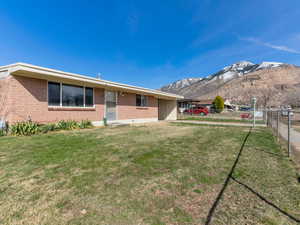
point(148, 43)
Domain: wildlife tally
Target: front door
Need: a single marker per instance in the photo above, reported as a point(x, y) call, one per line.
point(111, 105)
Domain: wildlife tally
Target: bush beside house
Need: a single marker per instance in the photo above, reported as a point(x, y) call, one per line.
point(219, 104)
point(28, 128)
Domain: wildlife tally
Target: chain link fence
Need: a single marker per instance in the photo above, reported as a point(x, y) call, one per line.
point(285, 124)
point(226, 115)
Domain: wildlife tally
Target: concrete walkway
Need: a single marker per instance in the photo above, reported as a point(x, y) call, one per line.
point(218, 123)
point(294, 137)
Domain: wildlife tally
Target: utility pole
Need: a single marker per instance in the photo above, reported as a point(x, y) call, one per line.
point(289, 132)
point(277, 127)
point(254, 103)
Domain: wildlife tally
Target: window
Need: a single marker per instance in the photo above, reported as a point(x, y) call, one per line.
point(70, 95)
point(89, 97)
point(53, 94)
point(141, 100)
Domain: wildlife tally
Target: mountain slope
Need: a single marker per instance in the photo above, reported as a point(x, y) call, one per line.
point(239, 81)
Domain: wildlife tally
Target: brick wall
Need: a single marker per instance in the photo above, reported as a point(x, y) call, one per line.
point(127, 108)
point(4, 101)
point(28, 98)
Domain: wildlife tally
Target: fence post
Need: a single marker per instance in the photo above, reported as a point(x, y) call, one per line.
point(277, 126)
point(289, 133)
point(254, 104)
point(268, 115)
point(271, 119)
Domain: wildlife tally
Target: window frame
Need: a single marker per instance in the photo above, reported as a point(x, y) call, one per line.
point(48, 94)
point(60, 104)
point(84, 96)
point(144, 103)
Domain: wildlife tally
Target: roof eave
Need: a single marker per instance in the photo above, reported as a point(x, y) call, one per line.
point(21, 69)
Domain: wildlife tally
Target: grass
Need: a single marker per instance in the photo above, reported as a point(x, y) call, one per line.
point(210, 119)
point(157, 174)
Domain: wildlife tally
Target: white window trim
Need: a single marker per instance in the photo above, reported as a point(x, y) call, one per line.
point(68, 107)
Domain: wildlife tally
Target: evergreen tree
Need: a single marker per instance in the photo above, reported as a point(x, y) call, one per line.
point(219, 104)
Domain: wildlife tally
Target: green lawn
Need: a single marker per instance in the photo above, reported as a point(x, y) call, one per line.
point(211, 119)
point(155, 174)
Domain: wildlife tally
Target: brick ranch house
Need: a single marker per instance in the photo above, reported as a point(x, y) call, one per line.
point(46, 95)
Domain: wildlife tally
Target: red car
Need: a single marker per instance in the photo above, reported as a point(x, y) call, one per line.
point(203, 111)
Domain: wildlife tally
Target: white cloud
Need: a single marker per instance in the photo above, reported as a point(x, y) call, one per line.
point(277, 47)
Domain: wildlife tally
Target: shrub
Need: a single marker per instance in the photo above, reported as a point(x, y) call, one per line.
point(67, 125)
point(2, 132)
point(219, 104)
point(24, 128)
point(48, 127)
point(30, 128)
point(85, 124)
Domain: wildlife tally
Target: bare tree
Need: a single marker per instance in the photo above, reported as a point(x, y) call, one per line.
point(293, 98)
point(266, 97)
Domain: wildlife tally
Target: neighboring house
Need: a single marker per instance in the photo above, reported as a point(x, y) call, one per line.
point(46, 95)
point(184, 104)
point(229, 106)
point(208, 103)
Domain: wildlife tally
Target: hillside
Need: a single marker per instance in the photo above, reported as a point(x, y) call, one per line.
point(272, 83)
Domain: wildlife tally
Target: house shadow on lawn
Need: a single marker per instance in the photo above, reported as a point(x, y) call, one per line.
point(230, 177)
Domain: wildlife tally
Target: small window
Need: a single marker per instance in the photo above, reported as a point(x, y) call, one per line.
point(72, 95)
point(89, 97)
point(53, 94)
point(141, 100)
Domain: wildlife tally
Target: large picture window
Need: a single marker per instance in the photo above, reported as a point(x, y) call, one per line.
point(70, 95)
point(141, 100)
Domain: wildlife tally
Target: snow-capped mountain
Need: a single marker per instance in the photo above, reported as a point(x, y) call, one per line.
point(183, 83)
point(227, 74)
point(268, 65)
point(272, 83)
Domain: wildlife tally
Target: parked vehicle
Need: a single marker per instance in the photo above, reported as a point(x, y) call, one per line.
point(245, 109)
point(246, 116)
point(285, 112)
point(203, 111)
point(212, 109)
